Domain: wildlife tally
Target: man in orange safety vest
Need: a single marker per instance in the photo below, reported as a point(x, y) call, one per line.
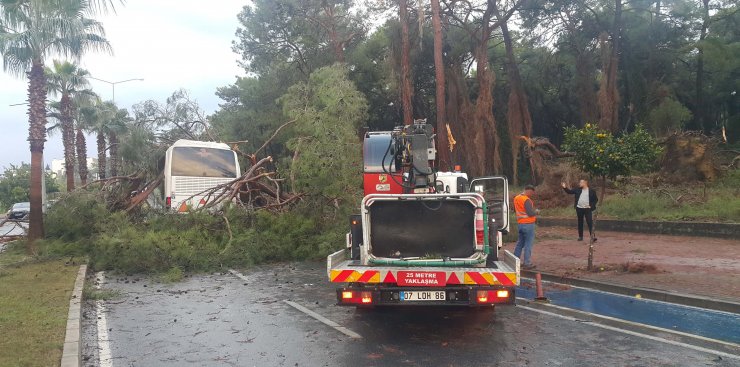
point(526, 216)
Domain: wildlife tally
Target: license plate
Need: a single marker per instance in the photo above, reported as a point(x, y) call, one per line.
point(423, 296)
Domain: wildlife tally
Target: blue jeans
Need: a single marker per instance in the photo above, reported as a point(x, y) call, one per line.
point(526, 241)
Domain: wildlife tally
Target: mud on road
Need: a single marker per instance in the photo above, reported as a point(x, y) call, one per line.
point(223, 320)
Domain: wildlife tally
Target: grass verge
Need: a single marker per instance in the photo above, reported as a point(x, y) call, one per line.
point(34, 301)
point(715, 202)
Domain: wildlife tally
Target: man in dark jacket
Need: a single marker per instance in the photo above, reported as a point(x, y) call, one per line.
point(585, 204)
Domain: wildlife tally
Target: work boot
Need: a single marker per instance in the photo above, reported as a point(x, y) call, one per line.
point(529, 266)
point(580, 238)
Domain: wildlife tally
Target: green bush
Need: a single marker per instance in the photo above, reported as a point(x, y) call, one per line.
point(669, 115)
point(160, 242)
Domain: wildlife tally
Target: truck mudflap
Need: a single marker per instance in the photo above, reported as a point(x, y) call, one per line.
point(503, 273)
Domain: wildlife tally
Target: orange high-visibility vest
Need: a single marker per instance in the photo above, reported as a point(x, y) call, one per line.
point(521, 212)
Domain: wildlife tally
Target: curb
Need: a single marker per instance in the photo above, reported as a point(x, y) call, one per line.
point(71, 353)
point(646, 293)
point(694, 229)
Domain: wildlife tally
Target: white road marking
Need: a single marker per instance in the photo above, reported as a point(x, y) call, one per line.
point(634, 333)
point(699, 337)
point(104, 354)
point(324, 320)
point(308, 312)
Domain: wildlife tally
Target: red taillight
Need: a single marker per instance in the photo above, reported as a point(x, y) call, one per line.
point(480, 233)
point(355, 297)
point(497, 296)
point(168, 201)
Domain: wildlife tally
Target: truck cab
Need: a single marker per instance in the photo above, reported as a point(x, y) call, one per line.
point(424, 237)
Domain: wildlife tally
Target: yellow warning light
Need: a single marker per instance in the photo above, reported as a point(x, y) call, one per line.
point(502, 294)
point(346, 295)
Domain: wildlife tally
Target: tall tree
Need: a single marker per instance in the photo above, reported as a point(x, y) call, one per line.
point(67, 79)
point(86, 117)
point(406, 90)
point(478, 133)
point(439, 72)
point(32, 31)
point(517, 113)
point(699, 113)
point(117, 127)
point(609, 90)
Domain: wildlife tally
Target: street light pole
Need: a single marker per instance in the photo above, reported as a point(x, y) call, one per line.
point(113, 84)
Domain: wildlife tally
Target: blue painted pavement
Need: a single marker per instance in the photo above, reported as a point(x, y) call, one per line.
point(708, 323)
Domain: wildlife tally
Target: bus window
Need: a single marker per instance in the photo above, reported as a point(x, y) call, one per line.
point(203, 162)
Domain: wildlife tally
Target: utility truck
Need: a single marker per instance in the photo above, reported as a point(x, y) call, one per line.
point(424, 237)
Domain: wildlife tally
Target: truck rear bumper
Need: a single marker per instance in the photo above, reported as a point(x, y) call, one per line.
point(366, 285)
point(382, 295)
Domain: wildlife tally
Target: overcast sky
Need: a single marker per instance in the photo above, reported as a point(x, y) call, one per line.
point(171, 44)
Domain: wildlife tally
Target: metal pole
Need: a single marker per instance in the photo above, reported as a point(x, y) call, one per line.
point(591, 242)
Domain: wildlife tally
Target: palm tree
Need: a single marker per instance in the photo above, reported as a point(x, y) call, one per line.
point(67, 79)
point(100, 125)
point(33, 30)
point(87, 115)
point(108, 123)
point(116, 128)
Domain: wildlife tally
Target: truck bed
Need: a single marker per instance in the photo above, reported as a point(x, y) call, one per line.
point(504, 273)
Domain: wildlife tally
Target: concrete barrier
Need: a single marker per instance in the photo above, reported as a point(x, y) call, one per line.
point(71, 354)
point(697, 229)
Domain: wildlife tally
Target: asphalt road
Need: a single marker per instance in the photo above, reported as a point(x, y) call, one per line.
point(224, 320)
point(11, 229)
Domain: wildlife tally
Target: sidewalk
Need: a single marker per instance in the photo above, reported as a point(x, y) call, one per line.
point(702, 266)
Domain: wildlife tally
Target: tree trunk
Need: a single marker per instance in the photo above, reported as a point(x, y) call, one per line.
point(336, 44)
point(459, 112)
point(68, 141)
point(114, 158)
point(487, 144)
point(81, 146)
point(36, 139)
point(443, 146)
point(101, 155)
point(518, 116)
point(406, 90)
point(700, 111)
point(609, 92)
point(585, 85)
point(603, 190)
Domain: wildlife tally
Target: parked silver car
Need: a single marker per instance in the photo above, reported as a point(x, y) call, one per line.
point(19, 211)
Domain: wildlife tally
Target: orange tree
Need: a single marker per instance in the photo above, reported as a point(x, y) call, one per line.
point(603, 155)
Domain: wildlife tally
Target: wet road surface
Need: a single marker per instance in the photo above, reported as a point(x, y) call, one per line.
point(12, 228)
point(224, 320)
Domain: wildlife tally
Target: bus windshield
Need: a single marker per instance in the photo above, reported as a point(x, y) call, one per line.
point(203, 162)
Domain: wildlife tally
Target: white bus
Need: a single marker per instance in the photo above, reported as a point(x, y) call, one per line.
point(192, 167)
